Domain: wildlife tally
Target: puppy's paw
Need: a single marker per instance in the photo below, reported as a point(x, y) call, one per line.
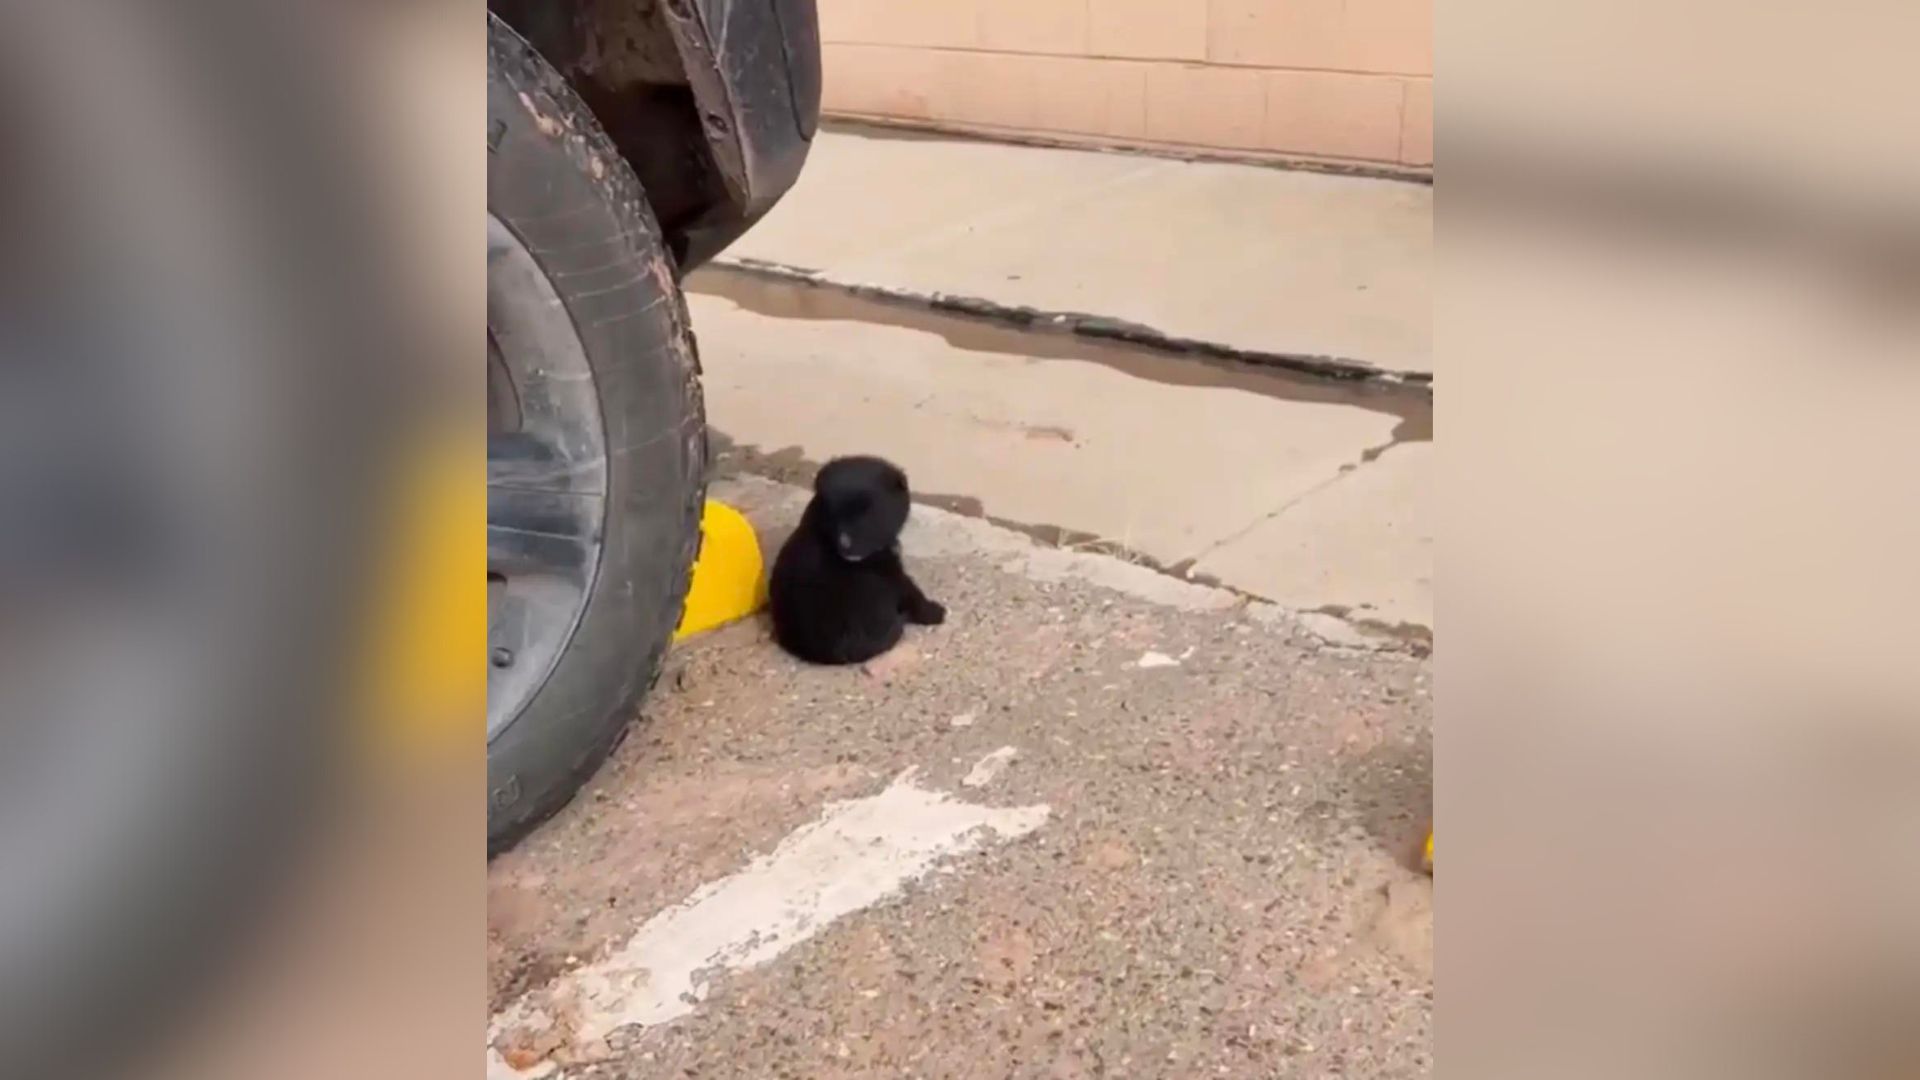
point(930, 613)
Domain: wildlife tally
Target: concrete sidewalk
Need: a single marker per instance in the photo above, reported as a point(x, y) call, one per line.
point(1304, 490)
point(1244, 256)
point(1307, 492)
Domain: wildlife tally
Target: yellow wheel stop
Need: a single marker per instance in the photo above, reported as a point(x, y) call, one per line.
point(729, 581)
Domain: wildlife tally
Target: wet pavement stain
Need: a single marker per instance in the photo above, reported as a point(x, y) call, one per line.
point(790, 465)
point(786, 297)
point(1038, 336)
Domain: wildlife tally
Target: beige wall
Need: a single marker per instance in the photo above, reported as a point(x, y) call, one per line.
point(1341, 79)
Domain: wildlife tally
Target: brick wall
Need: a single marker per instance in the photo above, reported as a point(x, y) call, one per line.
point(1340, 79)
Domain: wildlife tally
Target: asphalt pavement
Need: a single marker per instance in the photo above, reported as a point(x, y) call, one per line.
point(1103, 822)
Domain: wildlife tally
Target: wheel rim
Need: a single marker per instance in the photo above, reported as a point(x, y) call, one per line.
point(546, 478)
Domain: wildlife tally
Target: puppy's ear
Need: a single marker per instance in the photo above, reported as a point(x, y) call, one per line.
point(897, 483)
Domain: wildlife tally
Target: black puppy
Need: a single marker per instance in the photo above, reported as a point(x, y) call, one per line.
point(839, 592)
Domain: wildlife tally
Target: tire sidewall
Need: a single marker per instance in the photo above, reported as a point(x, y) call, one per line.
point(556, 181)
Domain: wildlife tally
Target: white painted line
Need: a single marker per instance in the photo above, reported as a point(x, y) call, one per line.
point(987, 769)
point(860, 852)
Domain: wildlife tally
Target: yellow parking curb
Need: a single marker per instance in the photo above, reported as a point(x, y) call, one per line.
point(729, 582)
point(420, 681)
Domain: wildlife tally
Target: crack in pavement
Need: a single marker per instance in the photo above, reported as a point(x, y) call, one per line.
point(1292, 501)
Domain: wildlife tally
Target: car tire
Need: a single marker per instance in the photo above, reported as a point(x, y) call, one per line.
point(582, 300)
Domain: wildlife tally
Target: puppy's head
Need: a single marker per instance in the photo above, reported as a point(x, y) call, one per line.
point(863, 505)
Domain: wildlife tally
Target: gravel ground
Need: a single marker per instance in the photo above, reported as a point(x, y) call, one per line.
point(1222, 879)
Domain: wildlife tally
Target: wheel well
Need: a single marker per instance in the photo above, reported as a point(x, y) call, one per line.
point(621, 58)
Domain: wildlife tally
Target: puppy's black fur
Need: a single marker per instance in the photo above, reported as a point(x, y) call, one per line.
point(839, 592)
